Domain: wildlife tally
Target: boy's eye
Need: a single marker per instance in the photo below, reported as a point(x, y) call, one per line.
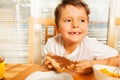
point(82, 20)
point(67, 20)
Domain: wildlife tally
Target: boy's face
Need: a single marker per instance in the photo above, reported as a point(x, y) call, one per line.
point(73, 23)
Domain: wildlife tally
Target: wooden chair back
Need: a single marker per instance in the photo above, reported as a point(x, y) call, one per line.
point(35, 38)
point(48, 22)
point(112, 30)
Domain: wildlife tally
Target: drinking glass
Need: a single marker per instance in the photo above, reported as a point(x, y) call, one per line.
point(2, 67)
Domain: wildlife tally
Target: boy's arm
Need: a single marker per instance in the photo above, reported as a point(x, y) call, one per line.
point(85, 66)
point(113, 61)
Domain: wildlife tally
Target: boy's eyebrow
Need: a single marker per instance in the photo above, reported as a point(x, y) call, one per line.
point(82, 17)
point(65, 17)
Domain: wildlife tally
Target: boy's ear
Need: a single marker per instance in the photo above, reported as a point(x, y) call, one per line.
point(57, 30)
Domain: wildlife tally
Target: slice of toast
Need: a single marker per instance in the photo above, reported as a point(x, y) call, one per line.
point(61, 64)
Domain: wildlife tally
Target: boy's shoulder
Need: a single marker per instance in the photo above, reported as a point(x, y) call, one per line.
point(56, 39)
point(89, 39)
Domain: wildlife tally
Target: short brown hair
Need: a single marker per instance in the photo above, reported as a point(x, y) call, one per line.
point(77, 3)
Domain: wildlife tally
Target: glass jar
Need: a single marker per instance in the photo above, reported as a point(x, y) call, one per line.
point(2, 67)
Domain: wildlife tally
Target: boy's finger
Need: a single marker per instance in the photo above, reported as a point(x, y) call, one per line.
point(50, 66)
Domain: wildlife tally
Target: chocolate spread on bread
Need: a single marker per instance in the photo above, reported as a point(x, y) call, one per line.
point(61, 64)
point(64, 62)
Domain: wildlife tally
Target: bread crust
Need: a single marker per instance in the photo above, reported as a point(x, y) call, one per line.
point(60, 64)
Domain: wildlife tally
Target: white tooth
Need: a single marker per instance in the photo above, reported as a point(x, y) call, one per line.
point(77, 33)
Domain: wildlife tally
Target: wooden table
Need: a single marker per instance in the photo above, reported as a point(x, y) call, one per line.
point(21, 71)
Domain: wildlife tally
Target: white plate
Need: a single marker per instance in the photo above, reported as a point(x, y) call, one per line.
point(51, 75)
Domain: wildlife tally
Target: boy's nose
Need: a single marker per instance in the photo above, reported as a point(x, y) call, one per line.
point(75, 24)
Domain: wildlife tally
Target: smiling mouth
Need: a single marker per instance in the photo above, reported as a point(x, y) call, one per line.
point(75, 33)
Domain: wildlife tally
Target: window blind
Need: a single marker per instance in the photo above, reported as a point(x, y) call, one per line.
point(99, 17)
point(14, 20)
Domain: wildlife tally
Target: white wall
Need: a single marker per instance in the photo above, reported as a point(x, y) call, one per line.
point(35, 8)
point(115, 8)
point(114, 11)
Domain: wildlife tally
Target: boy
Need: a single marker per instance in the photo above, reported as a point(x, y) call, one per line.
point(72, 42)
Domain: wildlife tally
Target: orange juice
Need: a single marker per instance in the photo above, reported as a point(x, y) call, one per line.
point(2, 68)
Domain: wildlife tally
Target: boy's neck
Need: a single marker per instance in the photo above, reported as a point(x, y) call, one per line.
point(69, 48)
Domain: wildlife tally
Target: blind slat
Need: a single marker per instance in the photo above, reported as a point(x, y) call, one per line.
point(14, 21)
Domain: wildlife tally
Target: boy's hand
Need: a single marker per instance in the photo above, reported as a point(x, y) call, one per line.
point(47, 62)
point(60, 64)
point(84, 67)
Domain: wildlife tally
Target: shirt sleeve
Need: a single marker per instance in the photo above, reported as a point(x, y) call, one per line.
point(100, 50)
point(46, 47)
point(51, 45)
